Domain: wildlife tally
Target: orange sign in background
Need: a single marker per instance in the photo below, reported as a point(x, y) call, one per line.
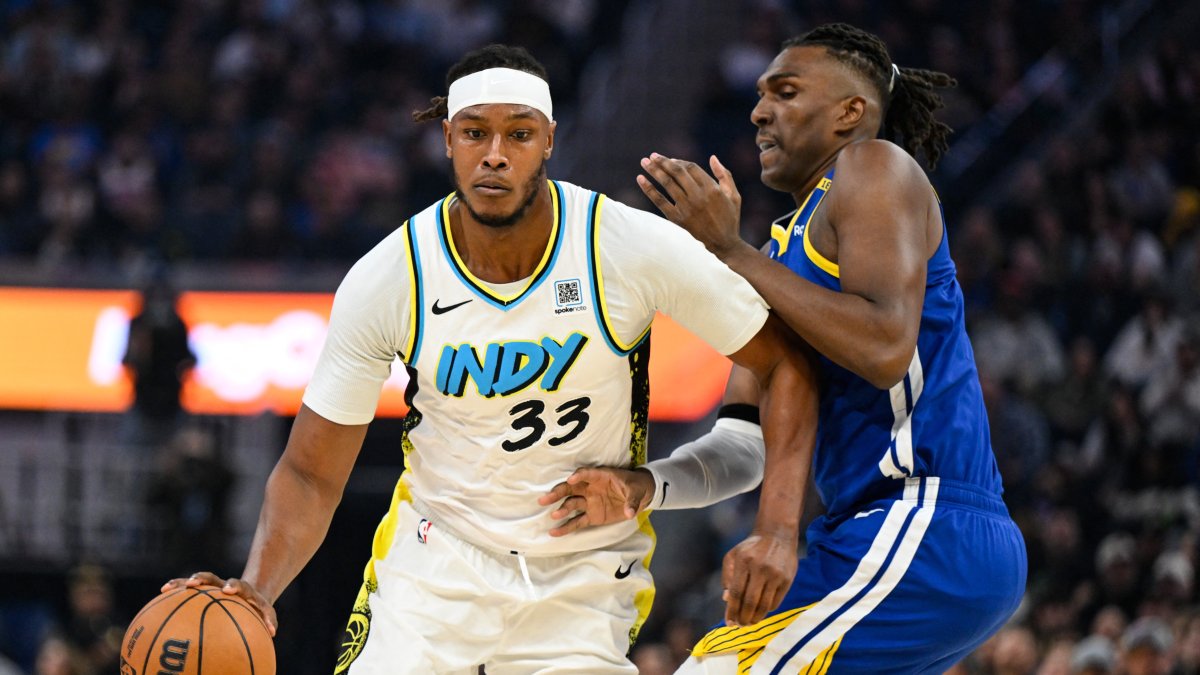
point(62, 349)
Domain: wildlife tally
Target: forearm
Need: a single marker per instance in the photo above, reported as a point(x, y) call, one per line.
point(726, 461)
point(862, 336)
point(294, 520)
point(789, 408)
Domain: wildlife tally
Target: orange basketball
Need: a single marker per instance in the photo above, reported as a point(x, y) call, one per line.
point(197, 631)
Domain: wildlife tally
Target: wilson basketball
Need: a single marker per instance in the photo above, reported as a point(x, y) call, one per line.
point(197, 631)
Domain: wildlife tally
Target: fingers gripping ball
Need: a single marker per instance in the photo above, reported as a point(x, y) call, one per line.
point(197, 631)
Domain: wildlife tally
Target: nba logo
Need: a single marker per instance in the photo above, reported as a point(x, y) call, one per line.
point(423, 530)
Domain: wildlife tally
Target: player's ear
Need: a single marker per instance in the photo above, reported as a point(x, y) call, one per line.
point(446, 134)
point(851, 112)
point(550, 141)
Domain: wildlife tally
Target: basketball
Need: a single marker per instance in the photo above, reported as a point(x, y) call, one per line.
point(197, 631)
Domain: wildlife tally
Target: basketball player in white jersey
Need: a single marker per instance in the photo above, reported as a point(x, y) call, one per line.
point(521, 308)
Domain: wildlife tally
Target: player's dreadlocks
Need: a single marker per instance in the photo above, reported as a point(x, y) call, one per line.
point(491, 56)
point(908, 108)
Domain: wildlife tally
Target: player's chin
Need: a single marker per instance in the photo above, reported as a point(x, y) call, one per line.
point(496, 217)
point(773, 178)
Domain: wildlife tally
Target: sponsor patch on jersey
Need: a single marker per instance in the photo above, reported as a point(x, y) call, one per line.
point(568, 296)
point(423, 530)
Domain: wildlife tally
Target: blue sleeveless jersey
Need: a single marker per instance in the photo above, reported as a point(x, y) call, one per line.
point(932, 423)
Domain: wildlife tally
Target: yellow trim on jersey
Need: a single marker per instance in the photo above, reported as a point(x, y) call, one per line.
point(643, 600)
point(599, 272)
point(817, 259)
point(415, 312)
point(385, 533)
point(485, 286)
point(782, 235)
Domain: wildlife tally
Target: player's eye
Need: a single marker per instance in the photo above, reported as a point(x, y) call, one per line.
point(522, 135)
point(786, 94)
point(474, 133)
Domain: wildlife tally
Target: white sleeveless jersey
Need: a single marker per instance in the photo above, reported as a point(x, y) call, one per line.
point(513, 388)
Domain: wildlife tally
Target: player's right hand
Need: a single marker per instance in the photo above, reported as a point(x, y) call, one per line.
point(598, 496)
point(756, 575)
point(231, 586)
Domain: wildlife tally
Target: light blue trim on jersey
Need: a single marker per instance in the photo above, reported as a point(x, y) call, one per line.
point(418, 322)
point(543, 274)
point(593, 259)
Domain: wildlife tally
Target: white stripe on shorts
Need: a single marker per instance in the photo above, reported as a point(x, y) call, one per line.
point(871, 579)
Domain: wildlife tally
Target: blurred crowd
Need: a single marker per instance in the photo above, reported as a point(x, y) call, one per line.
point(272, 130)
point(278, 132)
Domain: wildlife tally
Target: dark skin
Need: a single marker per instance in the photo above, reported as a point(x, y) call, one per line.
point(759, 570)
point(498, 152)
point(880, 223)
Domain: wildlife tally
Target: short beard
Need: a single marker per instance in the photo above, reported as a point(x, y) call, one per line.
point(511, 219)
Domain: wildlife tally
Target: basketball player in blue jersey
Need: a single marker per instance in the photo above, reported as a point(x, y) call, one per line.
point(916, 561)
point(521, 308)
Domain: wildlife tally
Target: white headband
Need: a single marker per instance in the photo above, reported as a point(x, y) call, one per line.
point(500, 85)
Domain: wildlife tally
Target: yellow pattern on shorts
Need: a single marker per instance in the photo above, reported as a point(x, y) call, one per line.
point(750, 641)
point(357, 629)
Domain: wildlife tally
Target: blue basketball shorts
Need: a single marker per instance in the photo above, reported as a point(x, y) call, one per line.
point(908, 584)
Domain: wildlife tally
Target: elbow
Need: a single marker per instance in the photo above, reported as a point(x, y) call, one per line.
point(889, 368)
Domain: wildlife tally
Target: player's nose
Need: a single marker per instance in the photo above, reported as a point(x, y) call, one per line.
point(760, 116)
point(495, 157)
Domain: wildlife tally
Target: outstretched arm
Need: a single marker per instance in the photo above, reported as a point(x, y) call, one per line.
point(726, 461)
point(870, 327)
point(302, 493)
point(775, 371)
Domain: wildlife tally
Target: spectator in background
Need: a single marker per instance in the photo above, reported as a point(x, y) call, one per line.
point(1146, 647)
point(1110, 623)
point(1141, 185)
point(56, 656)
point(1188, 654)
point(158, 359)
point(1185, 269)
point(1016, 344)
point(1014, 652)
point(1094, 655)
point(91, 627)
point(1170, 400)
point(1117, 583)
point(1072, 403)
point(1146, 343)
point(189, 499)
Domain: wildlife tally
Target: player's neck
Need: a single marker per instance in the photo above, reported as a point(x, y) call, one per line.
point(815, 176)
point(503, 255)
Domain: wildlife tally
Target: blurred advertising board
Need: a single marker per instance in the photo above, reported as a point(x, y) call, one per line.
point(61, 349)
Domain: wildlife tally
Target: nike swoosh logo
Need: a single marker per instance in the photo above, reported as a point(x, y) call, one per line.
point(447, 308)
point(864, 514)
point(666, 484)
point(622, 573)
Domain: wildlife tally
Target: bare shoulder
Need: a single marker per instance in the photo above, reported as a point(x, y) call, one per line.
point(879, 161)
point(878, 175)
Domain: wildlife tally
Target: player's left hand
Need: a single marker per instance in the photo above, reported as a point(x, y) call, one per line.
point(598, 496)
point(756, 575)
point(709, 209)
